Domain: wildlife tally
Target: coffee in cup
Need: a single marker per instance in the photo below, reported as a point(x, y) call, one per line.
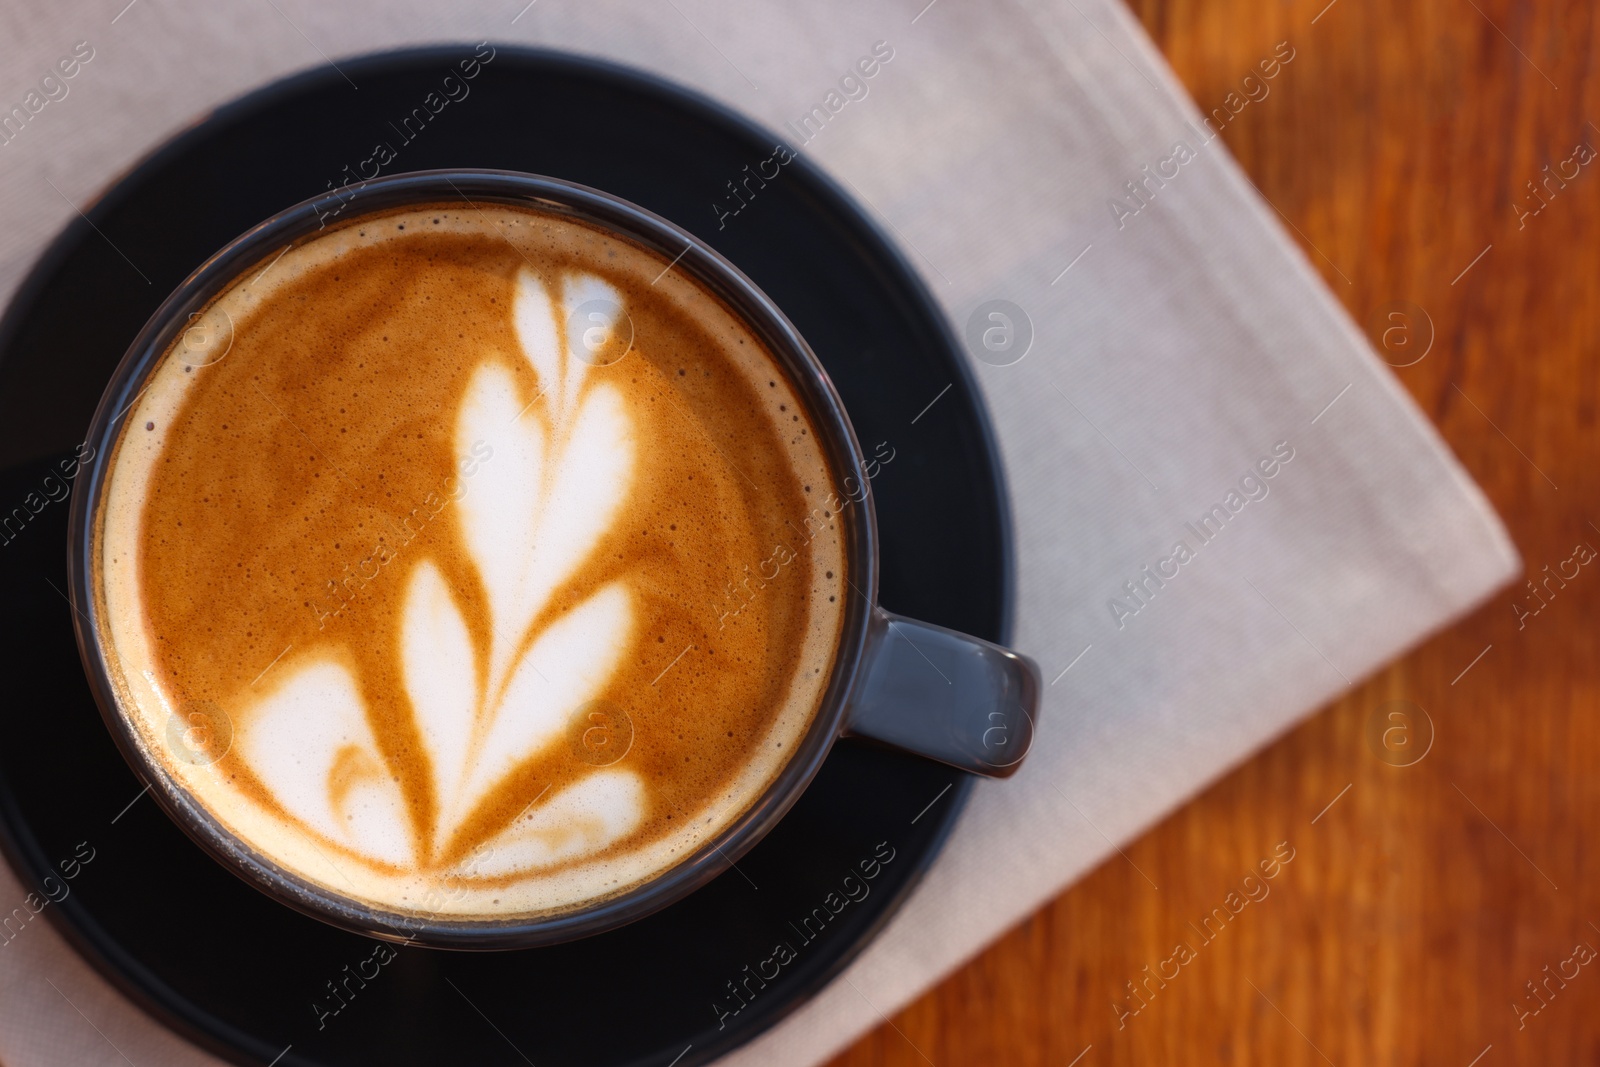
point(469, 560)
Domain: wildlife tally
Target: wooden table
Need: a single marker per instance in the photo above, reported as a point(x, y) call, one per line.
point(1399, 145)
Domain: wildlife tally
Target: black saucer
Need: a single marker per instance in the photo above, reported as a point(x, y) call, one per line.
point(249, 978)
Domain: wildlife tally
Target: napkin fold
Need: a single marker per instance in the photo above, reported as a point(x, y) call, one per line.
point(1227, 510)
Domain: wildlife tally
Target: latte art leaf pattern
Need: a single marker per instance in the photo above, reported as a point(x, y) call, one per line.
point(563, 464)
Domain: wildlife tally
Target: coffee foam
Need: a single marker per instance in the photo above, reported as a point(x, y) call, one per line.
point(426, 609)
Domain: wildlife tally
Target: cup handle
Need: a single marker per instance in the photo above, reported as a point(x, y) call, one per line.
point(946, 696)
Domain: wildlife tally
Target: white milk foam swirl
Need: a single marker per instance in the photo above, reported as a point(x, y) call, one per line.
point(559, 473)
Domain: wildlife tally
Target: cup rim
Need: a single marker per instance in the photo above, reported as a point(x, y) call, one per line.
point(689, 255)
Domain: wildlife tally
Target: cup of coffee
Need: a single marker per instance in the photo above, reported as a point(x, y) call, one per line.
point(481, 561)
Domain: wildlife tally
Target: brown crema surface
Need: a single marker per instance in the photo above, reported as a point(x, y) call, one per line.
point(310, 471)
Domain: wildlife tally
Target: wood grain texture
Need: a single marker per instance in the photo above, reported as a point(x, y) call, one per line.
point(1399, 144)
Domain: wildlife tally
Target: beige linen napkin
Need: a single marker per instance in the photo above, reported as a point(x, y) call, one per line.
point(1186, 379)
